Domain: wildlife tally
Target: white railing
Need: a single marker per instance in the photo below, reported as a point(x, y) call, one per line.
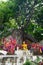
point(2, 56)
point(10, 60)
point(15, 60)
point(18, 59)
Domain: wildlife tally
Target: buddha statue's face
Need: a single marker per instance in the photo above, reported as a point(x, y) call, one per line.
point(23, 42)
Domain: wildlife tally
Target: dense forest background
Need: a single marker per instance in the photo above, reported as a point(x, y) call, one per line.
point(26, 15)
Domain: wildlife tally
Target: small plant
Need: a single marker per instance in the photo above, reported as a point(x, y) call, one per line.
point(27, 63)
point(30, 63)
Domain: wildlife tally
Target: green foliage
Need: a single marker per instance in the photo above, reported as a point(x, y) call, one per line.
point(27, 63)
point(37, 60)
point(22, 13)
point(12, 23)
point(35, 30)
point(38, 15)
